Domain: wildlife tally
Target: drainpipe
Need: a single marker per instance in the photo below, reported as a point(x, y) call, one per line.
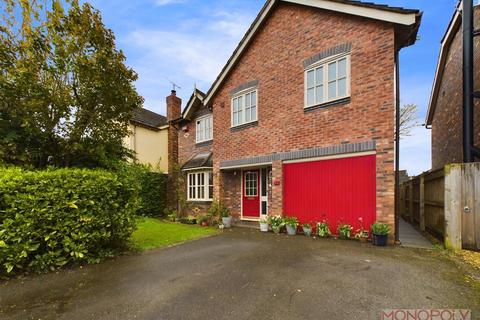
point(397, 145)
point(467, 18)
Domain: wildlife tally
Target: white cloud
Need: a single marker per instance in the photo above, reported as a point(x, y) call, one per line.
point(165, 2)
point(193, 54)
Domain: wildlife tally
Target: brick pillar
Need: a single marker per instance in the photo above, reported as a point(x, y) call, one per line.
point(174, 104)
point(276, 204)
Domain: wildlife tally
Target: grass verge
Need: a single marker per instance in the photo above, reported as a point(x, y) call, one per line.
point(154, 233)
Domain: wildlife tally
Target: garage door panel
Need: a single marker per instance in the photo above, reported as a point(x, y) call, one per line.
point(339, 190)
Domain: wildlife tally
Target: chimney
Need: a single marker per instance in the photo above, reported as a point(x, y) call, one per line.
point(174, 105)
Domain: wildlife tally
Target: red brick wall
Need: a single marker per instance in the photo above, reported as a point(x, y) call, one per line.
point(447, 124)
point(187, 148)
point(292, 34)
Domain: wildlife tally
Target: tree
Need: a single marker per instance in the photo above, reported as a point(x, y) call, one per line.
point(66, 95)
point(408, 119)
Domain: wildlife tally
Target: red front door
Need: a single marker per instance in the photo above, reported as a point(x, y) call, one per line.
point(250, 194)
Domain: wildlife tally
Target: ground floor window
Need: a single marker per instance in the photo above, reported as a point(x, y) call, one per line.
point(200, 186)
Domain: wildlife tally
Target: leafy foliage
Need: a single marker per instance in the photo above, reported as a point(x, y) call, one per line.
point(379, 228)
point(52, 218)
point(291, 221)
point(66, 95)
point(323, 229)
point(344, 231)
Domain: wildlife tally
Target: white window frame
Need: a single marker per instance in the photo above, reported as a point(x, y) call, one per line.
point(243, 95)
point(195, 176)
point(250, 187)
point(204, 120)
point(324, 63)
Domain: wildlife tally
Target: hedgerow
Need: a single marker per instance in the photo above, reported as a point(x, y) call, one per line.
point(58, 217)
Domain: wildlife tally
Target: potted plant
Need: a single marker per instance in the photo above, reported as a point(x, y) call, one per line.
point(277, 223)
point(307, 229)
point(203, 220)
point(380, 233)
point(344, 231)
point(292, 224)
point(221, 226)
point(361, 234)
point(226, 217)
point(264, 224)
point(323, 229)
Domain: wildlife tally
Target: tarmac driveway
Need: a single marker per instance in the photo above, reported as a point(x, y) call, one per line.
point(244, 274)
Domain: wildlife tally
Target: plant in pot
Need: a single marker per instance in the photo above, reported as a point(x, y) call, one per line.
point(344, 230)
point(226, 217)
point(264, 224)
point(291, 223)
point(307, 229)
point(380, 233)
point(323, 229)
point(277, 223)
point(203, 220)
point(361, 234)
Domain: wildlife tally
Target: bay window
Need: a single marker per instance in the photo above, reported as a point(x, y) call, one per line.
point(200, 186)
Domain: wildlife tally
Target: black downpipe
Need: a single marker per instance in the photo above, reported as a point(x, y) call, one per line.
point(467, 18)
point(397, 146)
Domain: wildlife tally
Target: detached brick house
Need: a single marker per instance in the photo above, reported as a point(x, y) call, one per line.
point(300, 121)
point(445, 110)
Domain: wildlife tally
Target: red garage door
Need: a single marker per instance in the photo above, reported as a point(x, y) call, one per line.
point(339, 190)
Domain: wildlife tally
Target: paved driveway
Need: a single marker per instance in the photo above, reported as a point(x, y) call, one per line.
point(244, 274)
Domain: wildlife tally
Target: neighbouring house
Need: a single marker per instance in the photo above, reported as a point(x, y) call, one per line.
point(445, 110)
point(300, 121)
point(149, 139)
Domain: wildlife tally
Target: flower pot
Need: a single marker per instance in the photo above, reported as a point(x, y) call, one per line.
point(291, 231)
point(307, 231)
point(276, 230)
point(221, 226)
point(380, 240)
point(204, 223)
point(227, 222)
point(263, 227)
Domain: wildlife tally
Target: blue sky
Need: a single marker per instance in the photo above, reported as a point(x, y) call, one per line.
point(189, 41)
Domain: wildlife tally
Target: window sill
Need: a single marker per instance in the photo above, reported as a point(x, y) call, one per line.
point(199, 201)
point(244, 126)
point(338, 102)
point(204, 143)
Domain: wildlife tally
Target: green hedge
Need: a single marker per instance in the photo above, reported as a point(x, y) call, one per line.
point(153, 195)
point(64, 216)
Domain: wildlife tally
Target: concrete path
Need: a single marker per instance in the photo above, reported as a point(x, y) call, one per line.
point(244, 274)
point(409, 237)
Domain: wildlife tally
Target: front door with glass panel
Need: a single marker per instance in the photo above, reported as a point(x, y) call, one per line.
point(251, 194)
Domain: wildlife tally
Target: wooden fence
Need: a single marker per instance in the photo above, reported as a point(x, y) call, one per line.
point(446, 203)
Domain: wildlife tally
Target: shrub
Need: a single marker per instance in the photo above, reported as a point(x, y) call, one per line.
point(153, 187)
point(52, 218)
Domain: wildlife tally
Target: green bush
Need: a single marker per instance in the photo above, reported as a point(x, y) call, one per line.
point(153, 194)
point(52, 218)
point(153, 187)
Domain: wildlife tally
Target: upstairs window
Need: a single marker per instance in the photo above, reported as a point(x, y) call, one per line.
point(244, 108)
point(327, 81)
point(204, 129)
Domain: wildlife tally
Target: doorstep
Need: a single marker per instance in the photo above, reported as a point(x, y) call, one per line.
point(247, 224)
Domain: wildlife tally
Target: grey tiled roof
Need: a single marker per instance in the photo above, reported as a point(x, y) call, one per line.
point(149, 118)
point(377, 6)
point(200, 160)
